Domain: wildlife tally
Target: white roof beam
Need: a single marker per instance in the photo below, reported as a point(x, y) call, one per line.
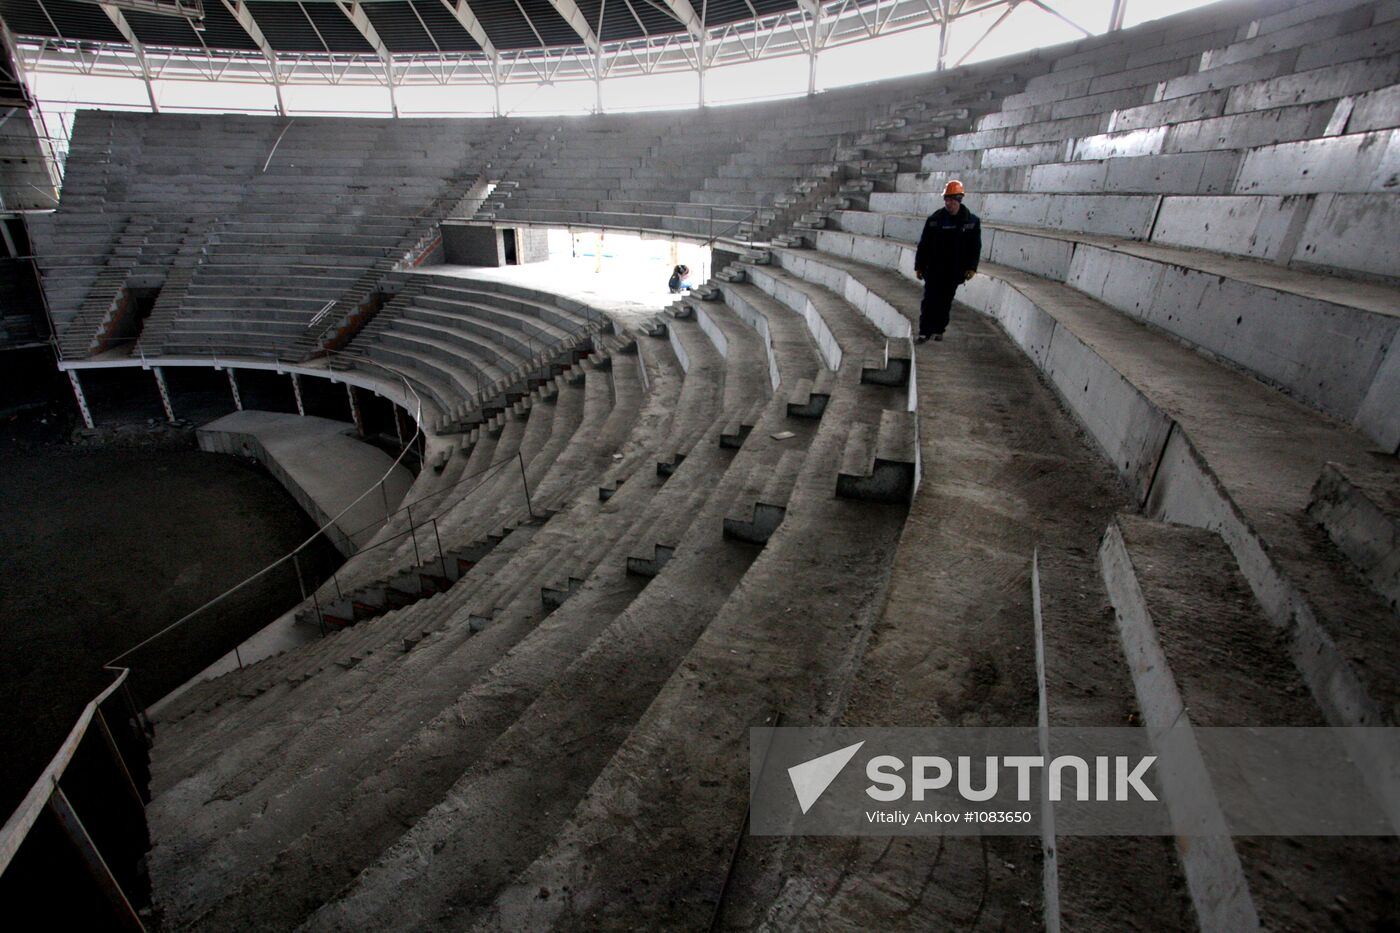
point(137, 49)
point(356, 14)
point(575, 18)
point(472, 25)
point(685, 13)
point(240, 12)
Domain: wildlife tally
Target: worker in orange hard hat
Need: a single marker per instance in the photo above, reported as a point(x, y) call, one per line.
point(949, 249)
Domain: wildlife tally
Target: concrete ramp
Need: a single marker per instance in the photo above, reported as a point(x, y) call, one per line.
point(320, 464)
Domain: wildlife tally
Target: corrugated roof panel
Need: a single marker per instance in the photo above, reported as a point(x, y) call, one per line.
point(25, 18)
point(719, 12)
point(553, 28)
point(153, 29)
point(221, 30)
point(74, 20)
point(505, 25)
point(451, 35)
point(285, 26)
point(335, 27)
point(398, 26)
point(764, 7)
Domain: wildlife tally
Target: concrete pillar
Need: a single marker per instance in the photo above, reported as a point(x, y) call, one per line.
point(164, 393)
point(296, 390)
point(355, 414)
point(233, 385)
point(82, 399)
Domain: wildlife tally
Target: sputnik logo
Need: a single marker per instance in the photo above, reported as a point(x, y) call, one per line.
point(811, 778)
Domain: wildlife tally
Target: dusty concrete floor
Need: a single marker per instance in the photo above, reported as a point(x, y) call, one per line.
point(102, 546)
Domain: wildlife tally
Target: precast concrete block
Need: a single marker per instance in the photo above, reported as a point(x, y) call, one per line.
point(677, 347)
point(1049, 93)
point(1028, 325)
point(1146, 75)
point(906, 228)
point(1098, 103)
point(983, 139)
point(1128, 428)
point(1324, 354)
point(998, 119)
point(1261, 227)
point(1068, 128)
point(1229, 76)
point(1127, 144)
point(894, 202)
point(1166, 48)
point(1044, 256)
point(1352, 231)
point(1379, 416)
point(951, 161)
point(1354, 47)
point(1320, 83)
point(1375, 110)
point(1360, 162)
point(1302, 13)
point(998, 156)
point(1357, 506)
point(1197, 172)
point(794, 299)
point(1111, 215)
point(1314, 29)
point(1250, 130)
point(866, 223)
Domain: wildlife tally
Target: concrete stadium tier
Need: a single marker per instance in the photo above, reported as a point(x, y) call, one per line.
point(1150, 474)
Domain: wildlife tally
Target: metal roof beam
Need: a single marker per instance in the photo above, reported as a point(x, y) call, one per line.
point(685, 13)
point(356, 14)
point(137, 49)
point(575, 18)
point(240, 12)
point(472, 25)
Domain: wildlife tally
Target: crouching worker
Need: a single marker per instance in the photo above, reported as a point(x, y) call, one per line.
point(680, 279)
point(949, 249)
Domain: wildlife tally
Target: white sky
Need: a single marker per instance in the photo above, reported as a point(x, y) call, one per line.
point(890, 56)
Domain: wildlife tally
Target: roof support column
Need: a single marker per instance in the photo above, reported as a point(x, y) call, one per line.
point(356, 14)
point(814, 10)
point(1115, 16)
point(239, 10)
point(942, 34)
point(465, 16)
point(137, 49)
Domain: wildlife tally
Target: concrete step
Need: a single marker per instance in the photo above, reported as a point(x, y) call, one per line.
point(1204, 654)
point(1359, 506)
point(880, 462)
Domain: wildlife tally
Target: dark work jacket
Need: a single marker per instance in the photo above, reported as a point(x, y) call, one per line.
point(949, 246)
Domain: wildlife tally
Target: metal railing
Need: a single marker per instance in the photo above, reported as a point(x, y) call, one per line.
point(93, 793)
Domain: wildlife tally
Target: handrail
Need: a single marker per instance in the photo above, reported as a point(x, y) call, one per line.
point(16, 828)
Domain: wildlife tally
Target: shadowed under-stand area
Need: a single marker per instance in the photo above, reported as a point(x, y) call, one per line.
point(1149, 477)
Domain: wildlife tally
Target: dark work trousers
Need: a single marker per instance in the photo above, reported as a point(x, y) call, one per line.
point(938, 303)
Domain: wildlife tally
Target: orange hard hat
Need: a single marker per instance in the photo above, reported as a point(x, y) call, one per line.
point(953, 187)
